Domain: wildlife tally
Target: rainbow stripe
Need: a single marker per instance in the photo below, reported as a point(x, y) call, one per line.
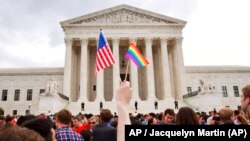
point(136, 56)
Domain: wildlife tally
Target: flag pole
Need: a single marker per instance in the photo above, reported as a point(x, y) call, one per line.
point(126, 71)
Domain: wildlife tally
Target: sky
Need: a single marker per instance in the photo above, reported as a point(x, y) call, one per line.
point(217, 31)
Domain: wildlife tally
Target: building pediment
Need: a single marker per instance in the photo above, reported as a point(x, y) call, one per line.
point(122, 14)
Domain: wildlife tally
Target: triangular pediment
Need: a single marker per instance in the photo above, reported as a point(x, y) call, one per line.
point(122, 14)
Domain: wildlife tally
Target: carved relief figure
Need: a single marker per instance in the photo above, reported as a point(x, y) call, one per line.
point(123, 16)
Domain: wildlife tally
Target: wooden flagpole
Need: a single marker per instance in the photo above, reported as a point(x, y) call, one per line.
point(126, 71)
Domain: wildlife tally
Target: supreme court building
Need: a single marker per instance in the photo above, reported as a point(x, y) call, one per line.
point(164, 80)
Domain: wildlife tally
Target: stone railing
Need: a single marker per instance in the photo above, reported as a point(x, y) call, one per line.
point(63, 96)
point(192, 94)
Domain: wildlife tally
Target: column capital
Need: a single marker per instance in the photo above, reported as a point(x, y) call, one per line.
point(178, 40)
point(148, 40)
point(68, 41)
point(164, 39)
point(84, 40)
point(132, 39)
point(116, 40)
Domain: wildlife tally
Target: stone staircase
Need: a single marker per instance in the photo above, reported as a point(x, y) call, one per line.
point(203, 100)
point(199, 101)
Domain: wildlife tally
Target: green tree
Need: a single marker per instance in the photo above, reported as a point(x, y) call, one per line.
point(1, 111)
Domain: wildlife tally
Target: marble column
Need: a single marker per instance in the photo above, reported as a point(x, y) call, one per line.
point(99, 83)
point(116, 66)
point(150, 70)
point(67, 68)
point(165, 69)
point(84, 71)
point(134, 77)
point(170, 59)
point(180, 70)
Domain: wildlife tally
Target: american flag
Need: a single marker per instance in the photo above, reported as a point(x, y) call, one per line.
point(104, 57)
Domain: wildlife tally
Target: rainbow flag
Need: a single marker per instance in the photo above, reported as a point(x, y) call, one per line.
point(136, 56)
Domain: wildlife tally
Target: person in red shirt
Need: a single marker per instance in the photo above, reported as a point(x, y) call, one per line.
point(78, 126)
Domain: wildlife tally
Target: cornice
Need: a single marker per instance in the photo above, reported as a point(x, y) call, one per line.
point(31, 71)
point(217, 69)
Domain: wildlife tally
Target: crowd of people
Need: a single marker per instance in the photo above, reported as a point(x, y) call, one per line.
point(63, 126)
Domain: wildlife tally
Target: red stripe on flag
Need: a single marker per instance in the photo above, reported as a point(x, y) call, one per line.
point(104, 57)
point(104, 50)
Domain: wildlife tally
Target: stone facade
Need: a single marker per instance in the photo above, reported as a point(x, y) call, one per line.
point(20, 81)
point(165, 79)
point(37, 79)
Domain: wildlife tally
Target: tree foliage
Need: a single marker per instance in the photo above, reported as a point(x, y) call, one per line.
point(1, 111)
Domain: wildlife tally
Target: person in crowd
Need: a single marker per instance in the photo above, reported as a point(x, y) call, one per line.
point(242, 120)
point(63, 132)
point(176, 104)
point(151, 122)
point(114, 123)
point(226, 116)
point(82, 106)
point(245, 100)
point(103, 131)
point(10, 132)
point(186, 116)
point(2, 120)
point(136, 105)
point(200, 119)
point(160, 118)
point(210, 120)
point(42, 126)
point(93, 121)
point(169, 116)
point(42, 115)
point(101, 105)
point(86, 134)
point(156, 104)
point(78, 126)
point(25, 118)
point(10, 119)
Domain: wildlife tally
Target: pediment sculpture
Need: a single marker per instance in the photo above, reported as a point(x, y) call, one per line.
point(122, 16)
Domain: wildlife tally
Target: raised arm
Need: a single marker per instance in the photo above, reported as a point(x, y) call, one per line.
point(123, 98)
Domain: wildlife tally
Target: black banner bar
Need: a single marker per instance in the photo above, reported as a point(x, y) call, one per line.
point(187, 132)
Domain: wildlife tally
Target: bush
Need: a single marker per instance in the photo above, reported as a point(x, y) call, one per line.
point(1, 111)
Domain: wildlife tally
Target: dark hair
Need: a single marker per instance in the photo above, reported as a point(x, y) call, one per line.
point(8, 118)
point(64, 116)
point(25, 118)
point(170, 112)
point(152, 114)
point(86, 134)
point(41, 126)
point(105, 115)
point(236, 112)
point(186, 116)
point(10, 132)
point(114, 123)
point(216, 118)
point(246, 91)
